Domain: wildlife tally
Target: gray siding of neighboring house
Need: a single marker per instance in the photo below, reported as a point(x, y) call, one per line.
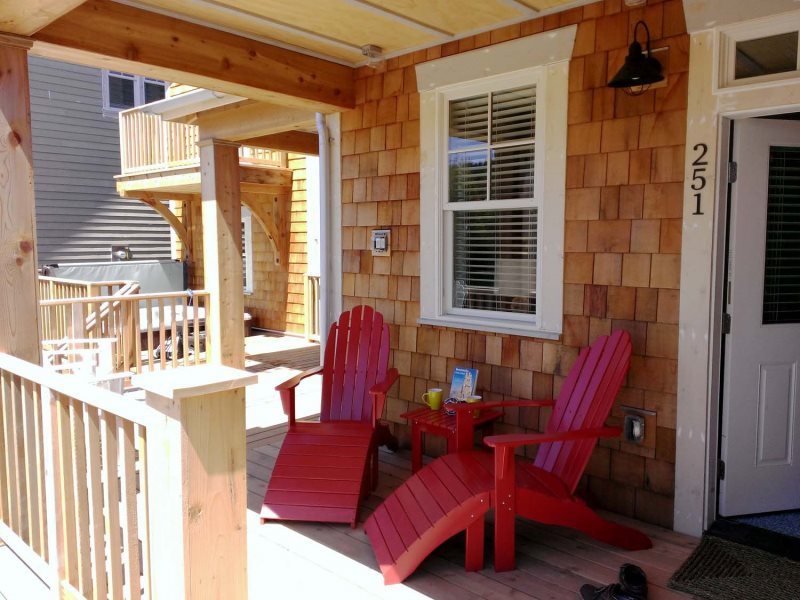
point(76, 155)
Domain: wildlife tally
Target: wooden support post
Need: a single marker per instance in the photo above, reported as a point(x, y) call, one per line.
point(222, 251)
point(19, 306)
point(197, 482)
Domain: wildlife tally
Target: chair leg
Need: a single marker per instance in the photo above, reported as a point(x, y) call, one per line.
point(505, 511)
point(374, 469)
point(504, 543)
point(475, 544)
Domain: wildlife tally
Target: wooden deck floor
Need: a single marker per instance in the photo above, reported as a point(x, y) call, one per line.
point(297, 560)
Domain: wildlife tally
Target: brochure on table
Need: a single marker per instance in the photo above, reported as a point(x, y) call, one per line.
point(463, 384)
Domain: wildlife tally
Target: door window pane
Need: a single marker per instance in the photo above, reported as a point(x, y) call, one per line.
point(766, 56)
point(782, 255)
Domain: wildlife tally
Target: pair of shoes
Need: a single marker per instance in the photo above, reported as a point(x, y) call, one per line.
point(632, 586)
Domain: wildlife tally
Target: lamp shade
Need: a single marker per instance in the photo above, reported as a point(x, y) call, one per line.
point(640, 69)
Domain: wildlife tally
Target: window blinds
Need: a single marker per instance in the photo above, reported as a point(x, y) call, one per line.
point(494, 260)
point(491, 157)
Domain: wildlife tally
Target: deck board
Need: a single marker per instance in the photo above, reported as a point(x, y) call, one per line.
point(552, 562)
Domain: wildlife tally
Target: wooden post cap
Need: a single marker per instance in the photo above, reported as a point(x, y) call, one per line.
point(198, 380)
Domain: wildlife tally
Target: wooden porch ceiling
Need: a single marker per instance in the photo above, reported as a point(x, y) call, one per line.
point(296, 54)
point(337, 29)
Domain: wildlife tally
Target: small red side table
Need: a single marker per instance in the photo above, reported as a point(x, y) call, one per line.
point(438, 422)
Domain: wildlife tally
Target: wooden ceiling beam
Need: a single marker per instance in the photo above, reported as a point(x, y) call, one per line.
point(106, 34)
point(281, 178)
point(26, 17)
point(300, 142)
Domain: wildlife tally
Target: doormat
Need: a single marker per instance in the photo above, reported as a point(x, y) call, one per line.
point(722, 570)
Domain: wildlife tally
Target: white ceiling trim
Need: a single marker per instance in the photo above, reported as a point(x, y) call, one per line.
point(520, 5)
point(396, 16)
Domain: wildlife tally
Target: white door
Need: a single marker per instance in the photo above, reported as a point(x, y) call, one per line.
point(760, 441)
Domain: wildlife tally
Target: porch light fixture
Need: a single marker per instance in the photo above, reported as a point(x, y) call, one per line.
point(373, 53)
point(639, 70)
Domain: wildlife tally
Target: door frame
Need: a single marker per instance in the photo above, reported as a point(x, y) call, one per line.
point(710, 112)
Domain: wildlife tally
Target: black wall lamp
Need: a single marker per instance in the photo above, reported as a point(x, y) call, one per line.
point(639, 70)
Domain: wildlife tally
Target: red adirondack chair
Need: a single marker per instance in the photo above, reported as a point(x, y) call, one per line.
point(325, 467)
point(454, 492)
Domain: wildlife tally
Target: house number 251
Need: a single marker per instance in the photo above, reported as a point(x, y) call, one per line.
point(699, 165)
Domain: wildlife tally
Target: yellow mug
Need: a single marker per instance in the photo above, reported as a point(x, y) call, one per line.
point(470, 400)
point(433, 398)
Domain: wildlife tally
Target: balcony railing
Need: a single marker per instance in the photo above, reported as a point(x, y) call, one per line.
point(149, 144)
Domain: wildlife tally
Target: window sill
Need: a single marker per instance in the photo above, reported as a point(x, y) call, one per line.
point(492, 326)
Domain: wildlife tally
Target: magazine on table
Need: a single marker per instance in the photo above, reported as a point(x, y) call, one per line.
point(463, 384)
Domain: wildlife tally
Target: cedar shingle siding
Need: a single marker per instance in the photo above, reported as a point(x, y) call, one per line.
point(76, 155)
point(622, 240)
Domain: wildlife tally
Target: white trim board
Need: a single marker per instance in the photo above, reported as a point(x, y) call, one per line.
point(515, 55)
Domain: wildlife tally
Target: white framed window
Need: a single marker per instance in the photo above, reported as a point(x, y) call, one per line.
point(247, 250)
point(493, 174)
point(122, 91)
point(761, 52)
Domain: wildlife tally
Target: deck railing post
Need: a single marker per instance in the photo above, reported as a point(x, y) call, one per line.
point(19, 293)
point(197, 482)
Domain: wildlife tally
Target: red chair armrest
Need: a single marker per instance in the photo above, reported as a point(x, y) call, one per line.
point(295, 381)
point(382, 387)
point(514, 440)
point(378, 393)
point(286, 390)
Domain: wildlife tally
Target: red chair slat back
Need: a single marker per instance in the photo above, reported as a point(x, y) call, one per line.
point(585, 402)
point(356, 358)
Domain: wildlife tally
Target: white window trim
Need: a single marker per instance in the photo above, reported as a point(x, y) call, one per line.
point(138, 90)
point(503, 66)
point(752, 30)
point(247, 230)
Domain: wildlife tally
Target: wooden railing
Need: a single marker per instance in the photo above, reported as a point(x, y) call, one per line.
point(150, 331)
point(74, 480)
point(311, 311)
point(56, 322)
point(51, 288)
point(148, 143)
point(104, 496)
